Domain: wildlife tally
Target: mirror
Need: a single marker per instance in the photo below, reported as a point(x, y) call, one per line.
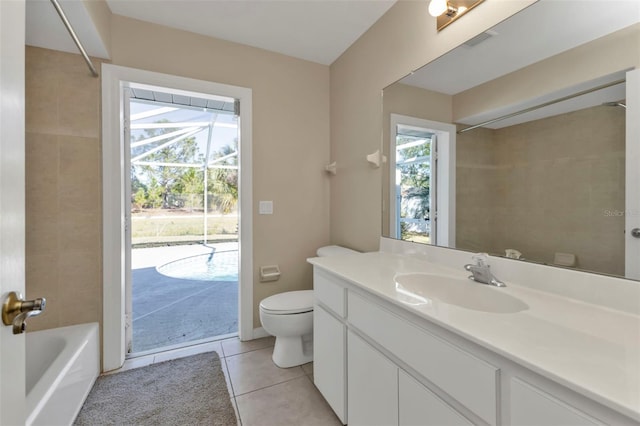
point(516, 143)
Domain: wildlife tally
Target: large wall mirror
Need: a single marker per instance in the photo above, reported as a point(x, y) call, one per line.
point(524, 141)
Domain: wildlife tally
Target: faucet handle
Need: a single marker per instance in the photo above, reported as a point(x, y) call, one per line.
point(481, 259)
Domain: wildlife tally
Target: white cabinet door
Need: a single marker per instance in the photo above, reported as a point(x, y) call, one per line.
point(531, 406)
point(417, 405)
point(329, 360)
point(373, 385)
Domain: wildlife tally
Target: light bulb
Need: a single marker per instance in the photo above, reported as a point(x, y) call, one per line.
point(437, 7)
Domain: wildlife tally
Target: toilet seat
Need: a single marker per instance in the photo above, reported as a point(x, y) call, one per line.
point(290, 302)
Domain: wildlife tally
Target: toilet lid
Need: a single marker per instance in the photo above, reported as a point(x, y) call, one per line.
point(290, 302)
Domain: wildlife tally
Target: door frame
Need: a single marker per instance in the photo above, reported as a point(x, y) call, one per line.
point(114, 151)
point(445, 180)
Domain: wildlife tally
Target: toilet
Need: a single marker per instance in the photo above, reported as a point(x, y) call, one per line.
point(289, 317)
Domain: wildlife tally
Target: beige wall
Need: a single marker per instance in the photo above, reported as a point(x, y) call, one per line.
point(402, 40)
point(547, 186)
point(290, 149)
point(100, 14)
point(63, 198)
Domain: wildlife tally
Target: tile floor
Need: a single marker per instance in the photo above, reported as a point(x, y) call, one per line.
point(262, 394)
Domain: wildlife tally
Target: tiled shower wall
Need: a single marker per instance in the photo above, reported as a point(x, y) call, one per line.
point(547, 186)
point(63, 188)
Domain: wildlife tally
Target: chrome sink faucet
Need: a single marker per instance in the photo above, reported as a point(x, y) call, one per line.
point(481, 271)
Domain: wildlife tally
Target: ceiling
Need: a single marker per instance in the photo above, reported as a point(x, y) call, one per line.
point(317, 30)
point(45, 29)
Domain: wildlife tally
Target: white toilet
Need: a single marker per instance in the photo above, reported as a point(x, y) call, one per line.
point(289, 317)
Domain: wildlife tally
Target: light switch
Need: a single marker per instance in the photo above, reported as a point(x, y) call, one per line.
point(266, 207)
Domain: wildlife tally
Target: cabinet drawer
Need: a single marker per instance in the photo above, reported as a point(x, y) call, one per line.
point(469, 380)
point(417, 405)
point(531, 406)
point(329, 291)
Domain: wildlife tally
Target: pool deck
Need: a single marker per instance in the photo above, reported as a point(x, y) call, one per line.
point(169, 311)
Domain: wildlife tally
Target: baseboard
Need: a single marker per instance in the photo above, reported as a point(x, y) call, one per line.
point(259, 333)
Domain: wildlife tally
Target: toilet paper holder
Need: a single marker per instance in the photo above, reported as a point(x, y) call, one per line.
point(269, 273)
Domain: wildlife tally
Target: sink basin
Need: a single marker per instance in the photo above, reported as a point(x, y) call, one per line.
point(423, 288)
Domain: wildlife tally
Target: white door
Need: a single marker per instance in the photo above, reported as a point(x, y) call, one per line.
point(12, 347)
point(632, 196)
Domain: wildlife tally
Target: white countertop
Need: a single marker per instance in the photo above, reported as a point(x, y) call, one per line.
point(591, 349)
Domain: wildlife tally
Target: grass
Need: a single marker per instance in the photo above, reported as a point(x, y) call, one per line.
point(175, 226)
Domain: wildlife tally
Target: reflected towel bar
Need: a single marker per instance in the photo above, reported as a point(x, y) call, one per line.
point(533, 108)
point(75, 38)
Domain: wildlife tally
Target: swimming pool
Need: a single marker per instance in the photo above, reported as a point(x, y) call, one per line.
point(219, 266)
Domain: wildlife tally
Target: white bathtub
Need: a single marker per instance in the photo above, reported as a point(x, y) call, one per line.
point(61, 366)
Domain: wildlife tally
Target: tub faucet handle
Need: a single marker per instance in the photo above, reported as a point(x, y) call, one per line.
point(16, 310)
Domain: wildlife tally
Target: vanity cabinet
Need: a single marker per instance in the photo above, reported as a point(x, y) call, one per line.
point(468, 379)
point(330, 343)
point(377, 363)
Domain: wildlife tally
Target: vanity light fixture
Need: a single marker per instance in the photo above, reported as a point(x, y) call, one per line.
point(447, 11)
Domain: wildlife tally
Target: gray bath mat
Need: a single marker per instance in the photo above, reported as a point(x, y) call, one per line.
point(189, 390)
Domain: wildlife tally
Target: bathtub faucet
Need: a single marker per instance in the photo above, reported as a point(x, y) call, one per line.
point(16, 310)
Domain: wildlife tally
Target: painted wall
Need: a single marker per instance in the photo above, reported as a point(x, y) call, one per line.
point(63, 181)
point(404, 39)
point(290, 149)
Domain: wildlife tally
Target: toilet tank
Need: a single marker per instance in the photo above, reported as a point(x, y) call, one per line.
point(334, 251)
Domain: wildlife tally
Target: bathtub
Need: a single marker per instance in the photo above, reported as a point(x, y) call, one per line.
point(61, 366)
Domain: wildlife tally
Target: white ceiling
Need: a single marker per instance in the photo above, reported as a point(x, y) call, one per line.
point(317, 30)
point(45, 28)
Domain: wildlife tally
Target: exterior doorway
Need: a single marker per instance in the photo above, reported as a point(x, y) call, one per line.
point(138, 131)
point(422, 180)
point(182, 286)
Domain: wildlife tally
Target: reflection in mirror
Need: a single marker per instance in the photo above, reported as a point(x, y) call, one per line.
point(536, 164)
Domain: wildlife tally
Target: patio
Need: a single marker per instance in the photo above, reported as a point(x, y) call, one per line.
point(169, 310)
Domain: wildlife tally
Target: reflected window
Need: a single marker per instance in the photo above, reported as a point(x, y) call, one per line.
point(415, 172)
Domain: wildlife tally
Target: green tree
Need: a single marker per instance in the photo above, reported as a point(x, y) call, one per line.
point(154, 194)
point(140, 198)
point(166, 177)
point(191, 186)
point(415, 178)
point(223, 183)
